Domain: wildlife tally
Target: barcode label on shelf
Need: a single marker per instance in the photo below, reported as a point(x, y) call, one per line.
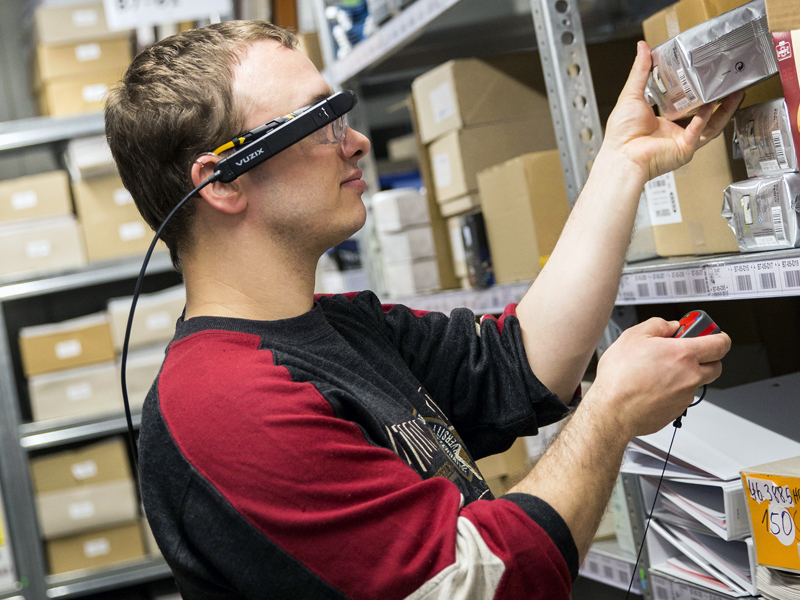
point(609, 570)
point(777, 141)
point(777, 223)
point(687, 87)
point(715, 281)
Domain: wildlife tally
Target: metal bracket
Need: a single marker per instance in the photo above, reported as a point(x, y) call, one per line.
point(562, 49)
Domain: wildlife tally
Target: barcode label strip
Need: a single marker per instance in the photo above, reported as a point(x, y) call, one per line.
point(661, 288)
point(681, 288)
point(768, 281)
point(777, 223)
point(744, 283)
point(687, 88)
point(644, 290)
point(777, 141)
point(792, 278)
point(700, 287)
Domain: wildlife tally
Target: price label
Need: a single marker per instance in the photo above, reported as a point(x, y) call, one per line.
point(773, 506)
point(133, 14)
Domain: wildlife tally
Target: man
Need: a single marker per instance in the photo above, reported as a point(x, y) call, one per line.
point(307, 447)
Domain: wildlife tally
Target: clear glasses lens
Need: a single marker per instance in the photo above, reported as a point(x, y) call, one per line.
point(332, 133)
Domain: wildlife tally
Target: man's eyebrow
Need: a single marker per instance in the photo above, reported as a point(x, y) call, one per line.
point(320, 97)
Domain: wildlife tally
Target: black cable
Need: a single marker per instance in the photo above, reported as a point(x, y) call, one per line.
point(134, 300)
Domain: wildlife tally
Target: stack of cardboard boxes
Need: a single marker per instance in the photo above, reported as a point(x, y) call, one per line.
point(77, 58)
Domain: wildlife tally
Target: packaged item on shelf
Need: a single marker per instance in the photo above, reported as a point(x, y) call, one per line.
point(465, 92)
point(477, 253)
point(99, 548)
point(84, 489)
point(503, 471)
point(112, 226)
point(458, 206)
point(410, 277)
point(711, 60)
point(787, 46)
point(41, 245)
point(66, 345)
point(684, 205)
point(155, 318)
point(458, 251)
point(66, 24)
point(525, 207)
point(410, 244)
point(79, 94)
point(457, 157)
point(82, 392)
point(89, 158)
point(763, 138)
point(397, 209)
point(143, 367)
point(82, 58)
point(763, 212)
point(43, 195)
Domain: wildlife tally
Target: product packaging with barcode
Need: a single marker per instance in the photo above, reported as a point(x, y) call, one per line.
point(711, 60)
point(763, 212)
point(763, 138)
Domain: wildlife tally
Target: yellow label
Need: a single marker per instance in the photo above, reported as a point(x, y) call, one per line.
point(543, 258)
point(773, 503)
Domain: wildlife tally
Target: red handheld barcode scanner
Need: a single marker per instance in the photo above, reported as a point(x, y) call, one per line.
point(695, 324)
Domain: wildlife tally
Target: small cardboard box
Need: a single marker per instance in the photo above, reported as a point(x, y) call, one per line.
point(773, 494)
point(395, 210)
point(503, 471)
point(82, 392)
point(525, 207)
point(683, 15)
point(41, 245)
point(411, 244)
point(46, 194)
point(66, 345)
point(465, 92)
point(96, 549)
point(459, 206)
point(410, 277)
point(155, 317)
point(112, 225)
point(458, 156)
point(74, 95)
point(82, 58)
point(308, 44)
point(70, 24)
point(787, 46)
point(143, 367)
point(89, 158)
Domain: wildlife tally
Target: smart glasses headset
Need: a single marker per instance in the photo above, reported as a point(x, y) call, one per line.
point(323, 122)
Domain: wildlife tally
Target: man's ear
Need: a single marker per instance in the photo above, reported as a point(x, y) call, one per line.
point(224, 197)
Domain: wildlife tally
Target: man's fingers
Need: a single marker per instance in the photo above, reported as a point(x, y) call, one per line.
point(709, 348)
point(710, 372)
point(656, 327)
point(640, 71)
point(698, 126)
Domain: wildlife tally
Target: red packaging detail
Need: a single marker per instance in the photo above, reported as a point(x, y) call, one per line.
point(788, 67)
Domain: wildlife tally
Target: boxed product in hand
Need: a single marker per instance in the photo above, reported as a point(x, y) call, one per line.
point(525, 206)
point(46, 194)
point(156, 315)
point(98, 548)
point(66, 345)
point(711, 60)
point(394, 210)
point(82, 392)
point(763, 212)
point(763, 138)
point(37, 246)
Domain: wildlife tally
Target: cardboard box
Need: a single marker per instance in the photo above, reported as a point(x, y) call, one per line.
point(89, 158)
point(683, 15)
point(308, 44)
point(394, 210)
point(773, 492)
point(112, 225)
point(458, 156)
point(46, 194)
point(466, 92)
point(96, 549)
point(39, 246)
point(787, 45)
point(83, 392)
point(503, 471)
point(82, 58)
point(525, 207)
point(66, 345)
point(410, 244)
point(782, 15)
point(643, 242)
point(79, 94)
point(156, 315)
point(99, 462)
point(459, 206)
point(70, 24)
point(410, 277)
point(143, 367)
point(150, 543)
point(685, 205)
point(457, 247)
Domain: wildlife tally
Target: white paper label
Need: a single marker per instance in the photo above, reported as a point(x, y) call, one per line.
point(79, 391)
point(87, 52)
point(122, 197)
point(38, 248)
point(94, 92)
point(87, 17)
point(24, 200)
point(97, 547)
point(131, 231)
point(662, 200)
point(442, 173)
point(84, 470)
point(68, 349)
point(79, 511)
point(131, 15)
point(159, 320)
point(769, 165)
point(443, 104)
point(765, 241)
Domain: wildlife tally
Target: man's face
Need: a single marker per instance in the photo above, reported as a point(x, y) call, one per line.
point(310, 194)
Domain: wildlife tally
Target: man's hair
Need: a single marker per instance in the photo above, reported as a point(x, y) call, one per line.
point(174, 103)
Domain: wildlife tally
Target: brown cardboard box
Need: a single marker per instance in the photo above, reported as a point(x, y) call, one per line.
point(79, 94)
point(505, 470)
point(82, 392)
point(458, 156)
point(783, 15)
point(69, 24)
point(787, 46)
point(308, 44)
point(96, 549)
point(525, 207)
point(465, 92)
point(143, 367)
point(38, 246)
point(698, 227)
point(46, 194)
point(112, 226)
point(683, 15)
point(83, 58)
point(459, 206)
point(84, 489)
point(155, 318)
point(66, 345)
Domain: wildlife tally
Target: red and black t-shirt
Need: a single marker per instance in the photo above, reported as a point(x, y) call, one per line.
point(332, 455)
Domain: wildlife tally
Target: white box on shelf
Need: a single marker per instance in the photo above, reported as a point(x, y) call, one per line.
point(155, 318)
point(143, 367)
point(89, 157)
point(79, 392)
point(410, 244)
point(394, 210)
point(411, 277)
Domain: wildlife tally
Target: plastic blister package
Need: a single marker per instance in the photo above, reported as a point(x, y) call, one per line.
point(763, 138)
